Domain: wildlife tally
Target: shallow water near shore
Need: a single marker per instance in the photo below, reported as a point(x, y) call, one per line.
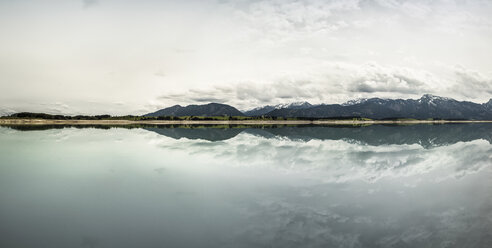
point(287, 186)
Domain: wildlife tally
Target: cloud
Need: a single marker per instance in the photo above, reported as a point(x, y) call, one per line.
point(206, 99)
point(280, 19)
point(7, 111)
point(325, 83)
point(247, 94)
point(160, 73)
point(55, 107)
point(375, 78)
point(263, 52)
point(89, 3)
point(218, 95)
point(472, 84)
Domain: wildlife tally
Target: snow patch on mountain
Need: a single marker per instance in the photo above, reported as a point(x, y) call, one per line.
point(294, 105)
point(355, 101)
point(433, 100)
point(266, 109)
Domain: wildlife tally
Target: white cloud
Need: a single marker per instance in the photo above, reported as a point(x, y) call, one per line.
point(281, 20)
point(373, 78)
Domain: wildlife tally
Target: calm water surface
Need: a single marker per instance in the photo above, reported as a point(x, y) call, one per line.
point(376, 186)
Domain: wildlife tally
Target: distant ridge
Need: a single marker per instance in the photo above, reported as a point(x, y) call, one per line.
point(428, 106)
point(211, 109)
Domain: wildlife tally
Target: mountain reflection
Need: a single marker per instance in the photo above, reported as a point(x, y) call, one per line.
point(424, 135)
point(211, 134)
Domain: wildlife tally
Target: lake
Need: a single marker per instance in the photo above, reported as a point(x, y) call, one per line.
point(236, 186)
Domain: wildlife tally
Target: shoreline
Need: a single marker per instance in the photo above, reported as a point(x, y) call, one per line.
point(231, 122)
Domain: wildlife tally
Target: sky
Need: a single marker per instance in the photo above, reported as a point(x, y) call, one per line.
point(133, 57)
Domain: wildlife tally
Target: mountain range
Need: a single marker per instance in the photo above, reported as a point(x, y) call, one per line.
point(428, 106)
point(211, 109)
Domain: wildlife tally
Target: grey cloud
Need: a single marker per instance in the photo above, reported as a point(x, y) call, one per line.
point(225, 90)
point(282, 89)
point(159, 74)
point(279, 18)
point(218, 95)
point(207, 99)
point(247, 91)
point(89, 3)
point(294, 89)
point(340, 81)
point(472, 84)
point(55, 108)
point(248, 94)
point(58, 105)
point(387, 83)
point(6, 111)
point(173, 96)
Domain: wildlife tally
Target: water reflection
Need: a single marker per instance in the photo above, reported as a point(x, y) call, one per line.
point(210, 134)
point(423, 134)
point(344, 159)
point(309, 186)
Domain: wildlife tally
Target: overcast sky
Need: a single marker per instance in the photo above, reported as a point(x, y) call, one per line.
point(133, 57)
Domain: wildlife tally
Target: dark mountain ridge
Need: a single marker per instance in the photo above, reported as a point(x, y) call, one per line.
point(211, 109)
point(428, 106)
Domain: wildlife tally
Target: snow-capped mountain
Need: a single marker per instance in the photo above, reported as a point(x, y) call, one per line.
point(428, 106)
point(354, 102)
point(268, 108)
point(294, 105)
point(434, 100)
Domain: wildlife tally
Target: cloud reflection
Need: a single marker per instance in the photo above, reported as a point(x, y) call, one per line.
point(340, 160)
